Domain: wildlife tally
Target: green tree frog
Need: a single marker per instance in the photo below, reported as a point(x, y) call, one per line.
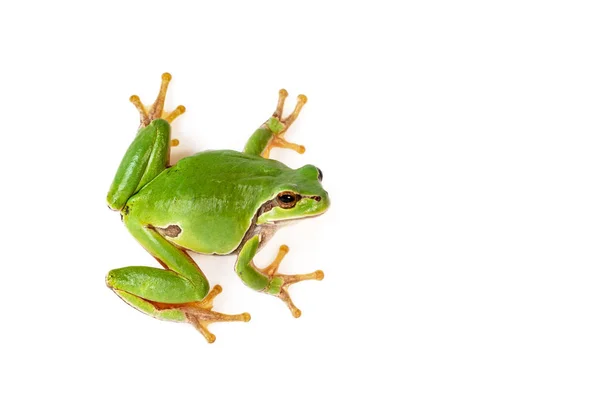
point(213, 202)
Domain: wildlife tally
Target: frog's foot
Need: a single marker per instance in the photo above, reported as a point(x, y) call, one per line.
point(156, 109)
point(279, 125)
point(200, 314)
point(280, 283)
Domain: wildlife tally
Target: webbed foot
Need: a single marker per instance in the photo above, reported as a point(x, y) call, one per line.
point(200, 314)
point(156, 109)
point(280, 283)
point(279, 125)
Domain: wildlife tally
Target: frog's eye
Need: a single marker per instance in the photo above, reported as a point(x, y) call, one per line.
point(287, 199)
point(320, 175)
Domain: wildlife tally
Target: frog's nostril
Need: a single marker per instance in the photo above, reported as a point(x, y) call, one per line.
point(317, 198)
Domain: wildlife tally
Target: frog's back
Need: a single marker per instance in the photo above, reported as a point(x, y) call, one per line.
point(209, 198)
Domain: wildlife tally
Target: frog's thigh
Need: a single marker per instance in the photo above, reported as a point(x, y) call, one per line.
point(182, 282)
point(179, 293)
point(154, 284)
point(178, 263)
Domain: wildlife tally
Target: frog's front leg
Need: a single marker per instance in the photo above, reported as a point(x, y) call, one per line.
point(179, 293)
point(267, 279)
point(270, 134)
point(149, 153)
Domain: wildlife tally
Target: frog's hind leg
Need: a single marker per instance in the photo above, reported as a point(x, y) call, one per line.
point(179, 293)
point(199, 314)
point(149, 153)
point(271, 134)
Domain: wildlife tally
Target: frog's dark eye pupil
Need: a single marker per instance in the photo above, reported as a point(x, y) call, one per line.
point(320, 175)
point(286, 198)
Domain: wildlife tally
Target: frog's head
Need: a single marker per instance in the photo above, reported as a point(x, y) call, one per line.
point(297, 194)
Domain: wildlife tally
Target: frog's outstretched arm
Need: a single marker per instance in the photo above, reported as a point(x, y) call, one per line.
point(267, 279)
point(148, 154)
point(179, 293)
point(270, 134)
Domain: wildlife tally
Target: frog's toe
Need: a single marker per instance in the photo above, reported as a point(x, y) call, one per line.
point(200, 314)
point(280, 283)
point(156, 109)
point(200, 319)
point(286, 281)
point(278, 114)
point(279, 125)
point(278, 141)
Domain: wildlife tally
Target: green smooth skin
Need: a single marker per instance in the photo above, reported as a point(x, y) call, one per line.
point(259, 140)
point(213, 197)
point(245, 268)
point(146, 157)
point(206, 203)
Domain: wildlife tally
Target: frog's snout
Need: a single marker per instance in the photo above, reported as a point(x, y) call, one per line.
point(323, 197)
point(109, 280)
point(326, 200)
point(323, 201)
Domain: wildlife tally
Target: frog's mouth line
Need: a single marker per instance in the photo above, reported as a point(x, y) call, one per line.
point(290, 220)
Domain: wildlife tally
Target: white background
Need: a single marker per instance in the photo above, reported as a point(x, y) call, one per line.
point(459, 144)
